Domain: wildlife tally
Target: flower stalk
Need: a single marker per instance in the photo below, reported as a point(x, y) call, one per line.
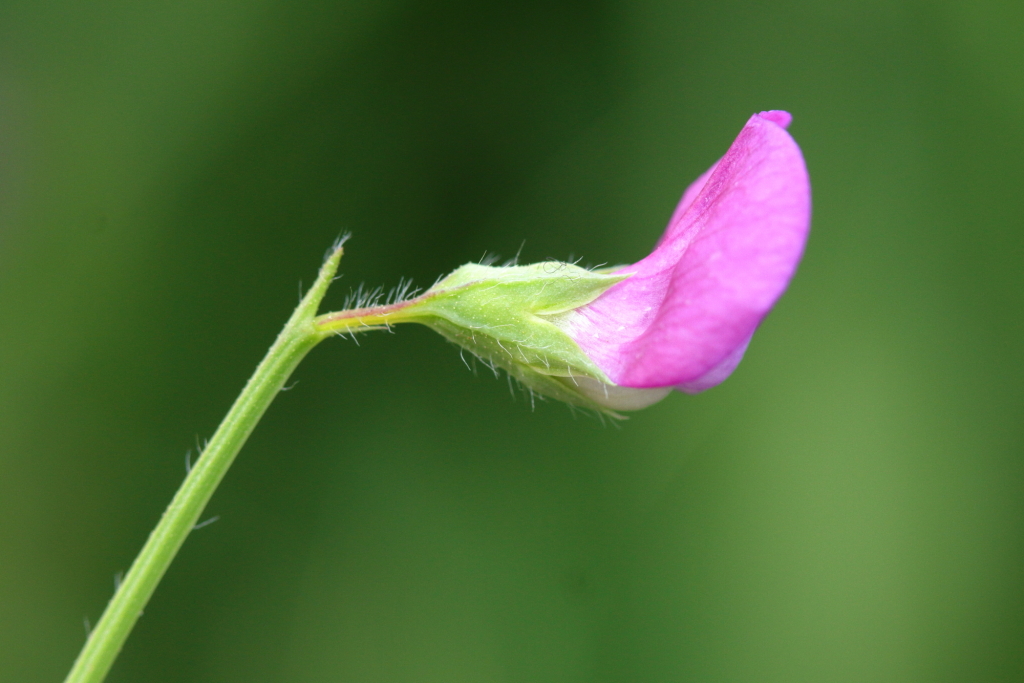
point(298, 337)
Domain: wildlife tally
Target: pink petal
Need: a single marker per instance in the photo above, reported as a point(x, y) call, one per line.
point(692, 192)
point(685, 316)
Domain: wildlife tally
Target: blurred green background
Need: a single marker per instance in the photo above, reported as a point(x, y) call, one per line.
point(849, 506)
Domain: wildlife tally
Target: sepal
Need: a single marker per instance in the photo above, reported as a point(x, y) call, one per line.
point(508, 317)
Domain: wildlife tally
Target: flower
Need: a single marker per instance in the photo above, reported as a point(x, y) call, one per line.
point(680, 318)
point(686, 313)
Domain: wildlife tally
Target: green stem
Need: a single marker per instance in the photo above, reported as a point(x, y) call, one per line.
point(299, 335)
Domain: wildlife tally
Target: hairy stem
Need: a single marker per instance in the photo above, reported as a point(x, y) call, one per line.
point(299, 335)
point(372, 317)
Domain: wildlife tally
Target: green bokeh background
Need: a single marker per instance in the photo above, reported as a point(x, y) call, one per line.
point(849, 506)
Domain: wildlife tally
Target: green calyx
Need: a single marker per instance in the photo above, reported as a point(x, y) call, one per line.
point(504, 316)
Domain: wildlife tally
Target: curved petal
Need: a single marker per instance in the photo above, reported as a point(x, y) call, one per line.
point(717, 374)
point(689, 309)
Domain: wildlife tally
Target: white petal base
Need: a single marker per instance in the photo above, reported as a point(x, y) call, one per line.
point(615, 397)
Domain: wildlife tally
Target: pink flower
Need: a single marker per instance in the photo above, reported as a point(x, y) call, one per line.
point(680, 318)
point(686, 315)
